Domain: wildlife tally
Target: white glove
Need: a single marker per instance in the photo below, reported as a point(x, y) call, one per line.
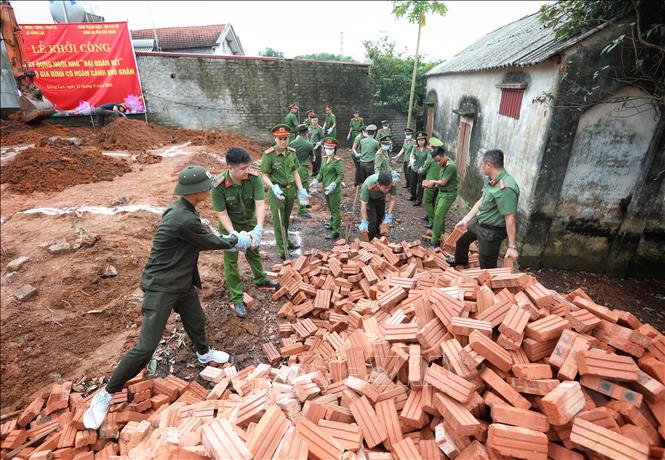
point(412, 161)
point(303, 197)
point(348, 136)
point(314, 183)
point(329, 130)
point(331, 188)
point(244, 240)
point(257, 235)
point(277, 191)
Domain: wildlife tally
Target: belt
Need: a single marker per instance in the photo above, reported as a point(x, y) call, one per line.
point(496, 228)
point(286, 186)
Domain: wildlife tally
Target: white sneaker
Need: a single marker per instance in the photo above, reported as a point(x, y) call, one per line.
point(220, 357)
point(96, 413)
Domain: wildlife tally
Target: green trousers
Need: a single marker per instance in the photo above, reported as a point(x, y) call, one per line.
point(156, 309)
point(303, 171)
point(367, 169)
point(333, 201)
point(407, 175)
point(281, 209)
point(429, 201)
point(443, 203)
point(376, 211)
point(231, 271)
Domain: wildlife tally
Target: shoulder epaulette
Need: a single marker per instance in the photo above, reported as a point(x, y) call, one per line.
point(218, 180)
point(270, 150)
point(253, 171)
point(291, 149)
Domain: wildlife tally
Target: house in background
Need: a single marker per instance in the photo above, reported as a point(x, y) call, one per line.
point(591, 196)
point(218, 39)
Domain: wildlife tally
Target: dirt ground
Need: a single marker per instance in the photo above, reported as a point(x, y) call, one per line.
point(80, 323)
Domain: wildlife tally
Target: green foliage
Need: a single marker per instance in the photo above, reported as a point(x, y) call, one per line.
point(391, 75)
point(416, 10)
point(269, 52)
point(325, 57)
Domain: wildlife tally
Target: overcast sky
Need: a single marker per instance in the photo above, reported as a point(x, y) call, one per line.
point(311, 26)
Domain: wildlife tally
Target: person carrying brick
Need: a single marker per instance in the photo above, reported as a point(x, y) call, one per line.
point(373, 203)
point(291, 120)
point(368, 148)
point(492, 218)
point(315, 137)
point(407, 148)
point(169, 282)
point(331, 176)
point(279, 169)
point(431, 172)
point(238, 198)
point(354, 125)
point(446, 185)
point(418, 157)
point(305, 153)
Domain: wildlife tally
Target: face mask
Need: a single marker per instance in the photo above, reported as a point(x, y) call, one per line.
point(329, 152)
point(386, 147)
point(408, 136)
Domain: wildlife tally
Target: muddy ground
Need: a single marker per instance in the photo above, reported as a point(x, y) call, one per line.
point(80, 323)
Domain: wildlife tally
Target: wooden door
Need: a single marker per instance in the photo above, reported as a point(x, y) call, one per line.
point(463, 136)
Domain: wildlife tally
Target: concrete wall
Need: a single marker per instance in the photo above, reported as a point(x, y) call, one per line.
point(248, 95)
point(521, 140)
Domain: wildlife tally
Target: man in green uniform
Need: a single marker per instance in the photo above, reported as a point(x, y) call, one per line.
point(331, 176)
point(169, 282)
point(354, 125)
point(305, 153)
point(291, 120)
point(238, 197)
point(315, 138)
point(308, 120)
point(368, 148)
point(446, 184)
point(330, 123)
point(279, 169)
point(355, 151)
point(382, 156)
point(407, 149)
point(385, 130)
point(431, 172)
point(492, 218)
point(373, 203)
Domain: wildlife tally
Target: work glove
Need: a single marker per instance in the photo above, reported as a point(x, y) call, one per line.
point(331, 188)
point(388, 218)
point(257, 235)
point(303, 197)
point(244, 240)
point(314, 184)
point(329, 130)
point(412, 162)
point(318, 144)
point(363, 226)
point(348, 136)
point(395, 176)
point(277, 191)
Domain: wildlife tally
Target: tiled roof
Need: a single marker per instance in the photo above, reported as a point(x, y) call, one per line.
point(521, 43)
point(176, 38)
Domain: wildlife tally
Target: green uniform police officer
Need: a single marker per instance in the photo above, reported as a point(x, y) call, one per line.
point(331, 176)
point(315, 138)
point(431, 172)
point(384, 131)
point(279, 169)
point(355, 155)
point(368, 148)
point(291, 120)
point(492, 218)
point(169, 282)
point(305, 153)
point(354, 125)
point(238, 197)
point(382, 156)
point(407, 148)
point(446, 185)
point(373, 203)
point(330, 123)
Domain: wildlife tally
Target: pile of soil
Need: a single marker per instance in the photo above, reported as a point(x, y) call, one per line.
point(135, 135)
point(57, 166)
point(222, 140)
point(15, 132)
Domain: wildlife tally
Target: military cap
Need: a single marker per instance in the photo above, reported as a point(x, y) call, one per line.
point(293, 104)
point(330, 141)
point(435, 142)
point(385, 138)
point(408, 131)
point(280, 130)
point(371, 127)
point(193, 179)
point(421, 135)
point(384, 122)
point(302, 128)
point(363, 128)
point(309, 112)
point(356, 111)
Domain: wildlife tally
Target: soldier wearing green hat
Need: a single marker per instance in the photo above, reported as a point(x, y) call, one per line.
point(291, 120)
point(169, 282)
point(354, 125)
point(382, 157)
point(431, 171)
point(331, 176)
point(238, 197)
point(279, 169)
point(407, 149)
point(305, 153)
point(315, 137)
point(368, 148)
point(446, 185)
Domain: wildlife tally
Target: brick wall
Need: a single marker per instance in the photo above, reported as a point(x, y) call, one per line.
point(248, 95)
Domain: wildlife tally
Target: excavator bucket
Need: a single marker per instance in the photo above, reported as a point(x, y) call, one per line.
point(34, 110)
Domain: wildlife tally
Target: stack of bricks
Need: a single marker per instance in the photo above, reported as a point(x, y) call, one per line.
point(388, 353)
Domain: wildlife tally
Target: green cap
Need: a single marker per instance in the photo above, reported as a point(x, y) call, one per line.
point(385, 138)
point(281, 130)
point(371, 127)
point(193, 179)
point(435, 142)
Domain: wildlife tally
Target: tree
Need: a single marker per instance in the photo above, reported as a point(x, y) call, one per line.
point(325, 57)
point(389, 73)
point(269, 52)
point(639, 47)
point(415, 11)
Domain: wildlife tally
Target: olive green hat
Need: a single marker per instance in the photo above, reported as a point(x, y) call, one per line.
point(435, 142)
point(385, 138)
point(371, 127)
point(193, 179)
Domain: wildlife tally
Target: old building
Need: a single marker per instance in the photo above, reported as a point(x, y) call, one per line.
point(218, 39)
point(592, 194)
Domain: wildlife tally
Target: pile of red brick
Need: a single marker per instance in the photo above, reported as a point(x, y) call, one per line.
point(389, 353)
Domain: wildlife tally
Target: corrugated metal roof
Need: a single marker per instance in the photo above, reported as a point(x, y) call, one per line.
point(522, 43)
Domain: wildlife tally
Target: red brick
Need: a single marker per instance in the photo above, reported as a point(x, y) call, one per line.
point(509, 415)
point(222, 442)
point(611, 389)
point(607, 365)
point(547, 328)
point(558, 452)
point(490, 351)
point(266, 436)
point(451, 384)
point(532, 371)
point(406, 450)
point(563, 403)
point(605, 442)
point(31, 412)
point(386, 412)
point(583, 320)
point(517, 442)
point(272, 354)
point(598, 310)
point(464, 326)
point(459, 417)
point(503, 389)
point(364, 414)
point(293, 447)
point(533, 387)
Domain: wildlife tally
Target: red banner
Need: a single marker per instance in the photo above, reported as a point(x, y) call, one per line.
point(80, 66)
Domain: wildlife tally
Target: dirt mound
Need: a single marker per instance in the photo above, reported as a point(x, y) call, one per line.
point(15, 132)
point(133, 135)
point(222, 140)
point(57, 166)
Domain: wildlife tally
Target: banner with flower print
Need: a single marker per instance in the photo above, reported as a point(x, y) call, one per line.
point(80, 66)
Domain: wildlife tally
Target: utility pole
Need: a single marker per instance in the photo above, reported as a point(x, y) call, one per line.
point(341, 43)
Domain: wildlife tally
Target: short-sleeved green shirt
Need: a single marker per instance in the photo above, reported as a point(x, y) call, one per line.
point(315, 135)
point(498, 200)
point(331, 172)
point(238, 200)
point(291, 119)
point(368, 148)
point(420, 155)
point(449, 172)
point(370, 189)
point(409, 145)
point(383, 132)
point(355, 124)
point(330, 120)
point(304, 150)
point(357, 140)
point(280, 167)
point(431, 169)
point(381, 162)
